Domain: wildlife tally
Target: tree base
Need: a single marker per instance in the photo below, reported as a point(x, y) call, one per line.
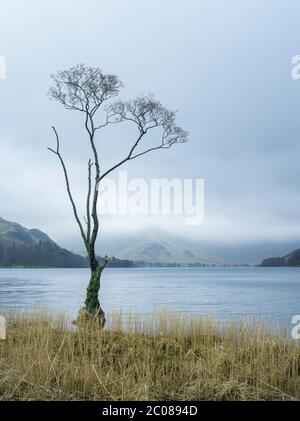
point(87, 319)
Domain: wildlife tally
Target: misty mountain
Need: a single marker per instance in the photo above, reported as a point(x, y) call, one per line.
point(13, 233)
point(155, 249)
point(158, 246)
point(32, 247)
point(291, 259)
point(20, 246)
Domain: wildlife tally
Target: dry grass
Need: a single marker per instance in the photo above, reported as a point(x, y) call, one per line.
point(166, 357)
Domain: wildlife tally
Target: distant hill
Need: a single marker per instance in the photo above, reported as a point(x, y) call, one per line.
point(155, 245)
point(291, 259)
point(13, 233)
point(159, 248)
point(20, 246)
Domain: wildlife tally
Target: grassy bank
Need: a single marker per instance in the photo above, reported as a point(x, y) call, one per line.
point(166, 357)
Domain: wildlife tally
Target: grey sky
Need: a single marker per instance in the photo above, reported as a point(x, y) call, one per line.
point(226, 68)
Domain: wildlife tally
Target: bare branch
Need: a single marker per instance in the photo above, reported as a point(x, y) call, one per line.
point(57, 153)
point(109, 120)
point(147, 114)
point(88, 200)
point(83, 88)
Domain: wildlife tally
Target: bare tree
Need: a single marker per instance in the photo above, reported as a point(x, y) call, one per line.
point(89, 91)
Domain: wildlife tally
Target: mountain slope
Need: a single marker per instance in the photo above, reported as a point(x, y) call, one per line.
point(157, 247)
point(291, 259)
point(20, 246)
point(13, 233)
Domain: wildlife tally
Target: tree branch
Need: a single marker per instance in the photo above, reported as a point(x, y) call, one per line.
point(57, 153)
point(128, 157)
point(88, 201)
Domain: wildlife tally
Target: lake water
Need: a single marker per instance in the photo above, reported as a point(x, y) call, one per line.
point(271, 294)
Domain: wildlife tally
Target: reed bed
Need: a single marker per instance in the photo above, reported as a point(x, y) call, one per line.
point(165, 357)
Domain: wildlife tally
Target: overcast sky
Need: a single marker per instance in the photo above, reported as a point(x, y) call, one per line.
point(224, 65)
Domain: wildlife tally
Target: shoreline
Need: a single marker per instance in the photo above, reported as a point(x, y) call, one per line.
point(167, 358)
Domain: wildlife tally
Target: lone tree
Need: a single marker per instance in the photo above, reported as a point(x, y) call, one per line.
point(89, 91)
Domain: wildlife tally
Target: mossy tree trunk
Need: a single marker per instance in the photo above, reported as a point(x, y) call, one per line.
point(92, 303)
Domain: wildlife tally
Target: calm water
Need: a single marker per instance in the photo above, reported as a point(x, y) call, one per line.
point(268, 293)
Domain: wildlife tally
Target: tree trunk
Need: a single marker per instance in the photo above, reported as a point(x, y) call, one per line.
point(92, 303)
point(92, 312)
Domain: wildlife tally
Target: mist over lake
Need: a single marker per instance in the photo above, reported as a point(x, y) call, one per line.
point(270, 294)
